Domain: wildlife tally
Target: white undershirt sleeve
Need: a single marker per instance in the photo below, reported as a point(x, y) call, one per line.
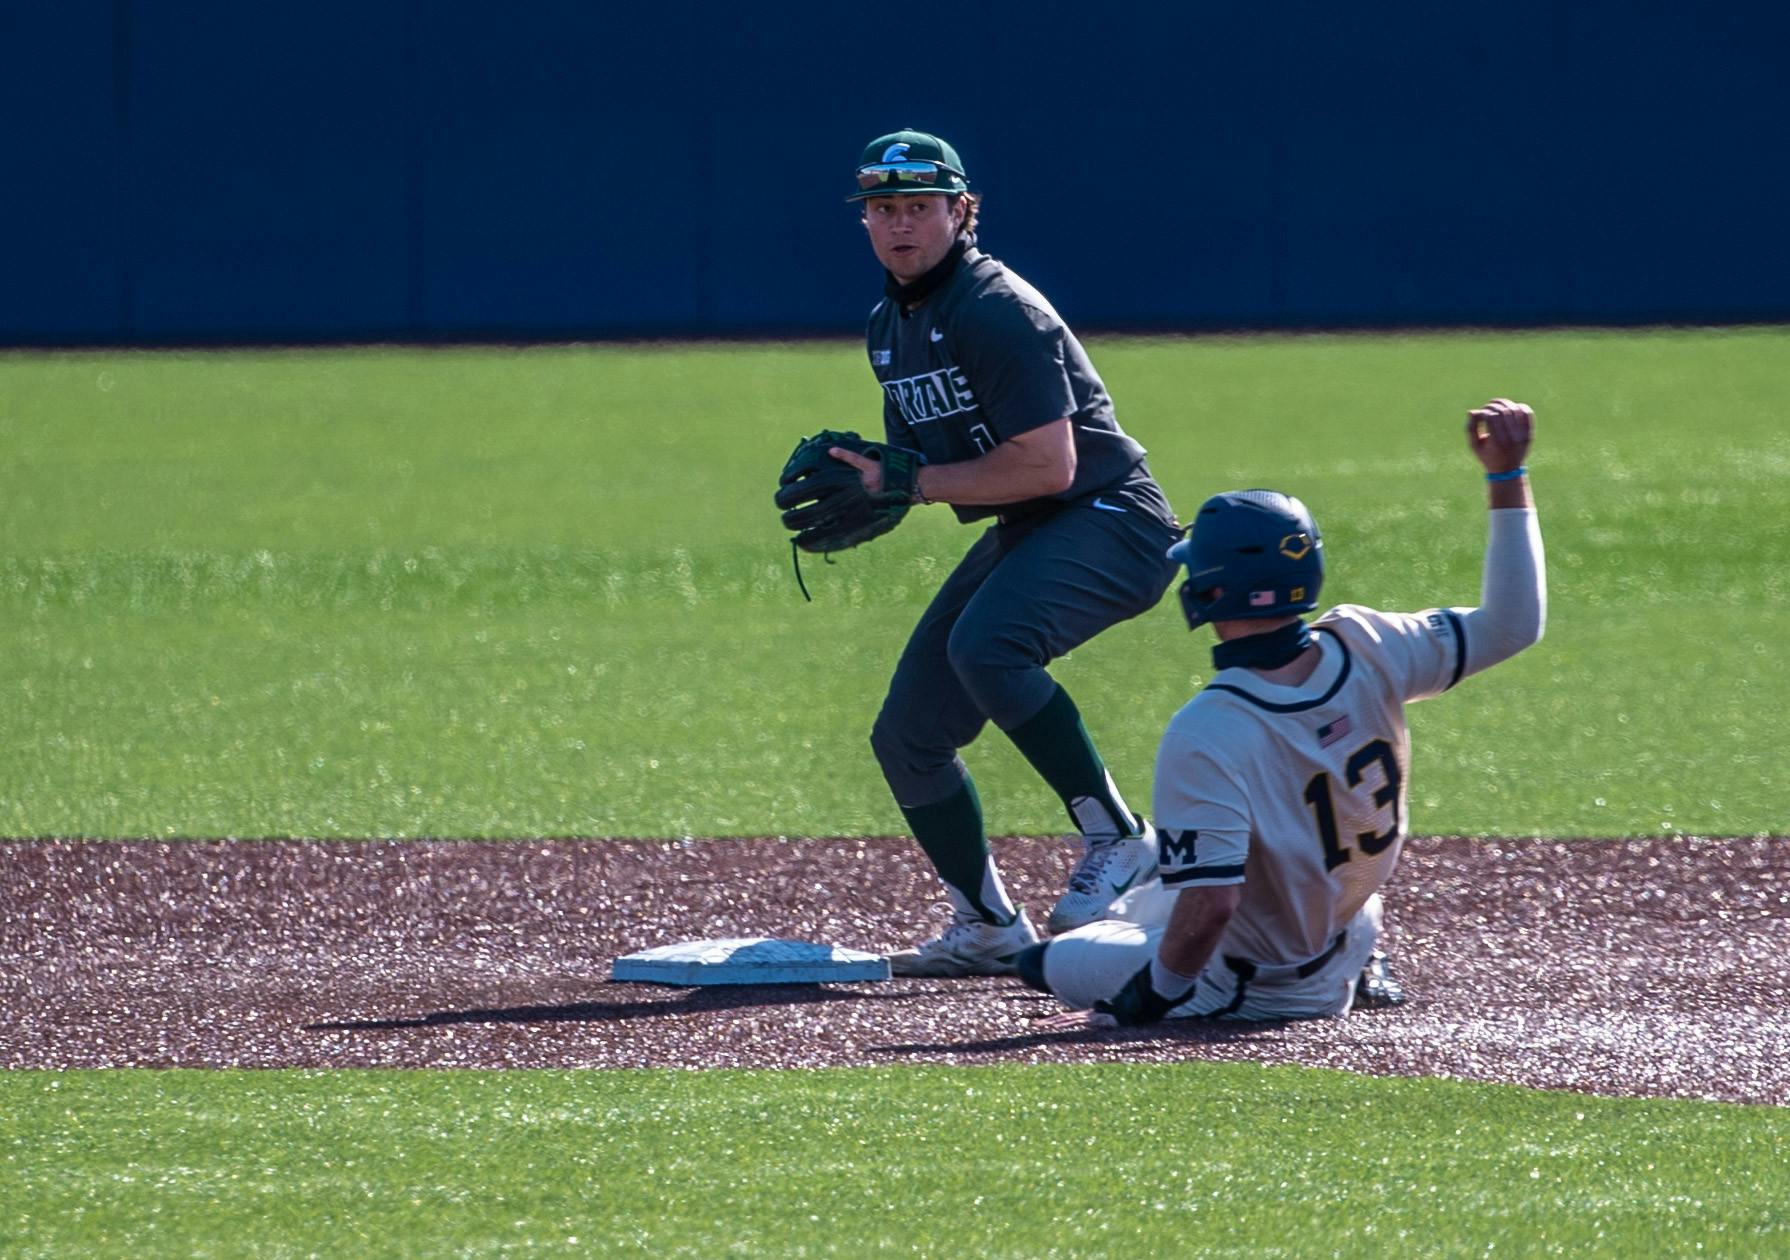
point(1513, 601)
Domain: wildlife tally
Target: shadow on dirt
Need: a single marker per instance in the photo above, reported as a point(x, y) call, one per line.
point(692, 1002)
point(1189, 1032)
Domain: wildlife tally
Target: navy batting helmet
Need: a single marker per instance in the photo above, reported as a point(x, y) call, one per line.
point(1250, 553)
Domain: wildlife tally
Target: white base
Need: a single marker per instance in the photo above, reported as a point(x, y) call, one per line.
point(749, 960)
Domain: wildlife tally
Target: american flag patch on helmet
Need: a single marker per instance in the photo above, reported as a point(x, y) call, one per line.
point(1261, 599)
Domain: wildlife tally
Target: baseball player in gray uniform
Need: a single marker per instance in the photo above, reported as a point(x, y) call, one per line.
point(982, 377)
point(1281, 787)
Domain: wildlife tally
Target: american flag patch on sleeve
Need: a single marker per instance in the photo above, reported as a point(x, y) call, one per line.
point(1330, 732)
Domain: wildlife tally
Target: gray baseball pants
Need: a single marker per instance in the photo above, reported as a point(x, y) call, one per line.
point(1023, 595)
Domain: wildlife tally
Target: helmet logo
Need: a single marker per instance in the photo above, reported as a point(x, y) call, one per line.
point(895, 152)
point(1296, 594)
point(1295, 546)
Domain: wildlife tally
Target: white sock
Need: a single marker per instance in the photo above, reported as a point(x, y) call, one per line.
point(1094, 816)
point(1171, 984)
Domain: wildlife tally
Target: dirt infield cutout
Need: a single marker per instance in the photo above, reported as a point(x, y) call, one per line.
point(1647, 967)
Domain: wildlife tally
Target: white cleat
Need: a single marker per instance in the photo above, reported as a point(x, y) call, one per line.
point(1109, 867)
point(969, 947)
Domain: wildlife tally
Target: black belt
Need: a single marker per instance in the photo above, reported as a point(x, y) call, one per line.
point(1246, 970)
point(1026, 514)
point(1317, 964)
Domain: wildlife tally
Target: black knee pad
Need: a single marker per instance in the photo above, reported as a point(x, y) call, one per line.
point(1030, 965)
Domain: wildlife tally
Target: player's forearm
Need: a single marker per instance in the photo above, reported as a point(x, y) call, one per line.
point(1510, 494)
point(1188, 955)
point(1031, 466)
point(1513, 600)
point(1195, 927)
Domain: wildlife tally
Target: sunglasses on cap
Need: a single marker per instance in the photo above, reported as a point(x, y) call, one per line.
point(896, 174)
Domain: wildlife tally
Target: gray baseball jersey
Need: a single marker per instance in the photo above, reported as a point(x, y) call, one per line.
point(1299, 794)
point(984, 359)
point(1305, 787)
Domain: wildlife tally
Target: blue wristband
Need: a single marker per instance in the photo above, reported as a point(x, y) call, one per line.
point(1512, 475)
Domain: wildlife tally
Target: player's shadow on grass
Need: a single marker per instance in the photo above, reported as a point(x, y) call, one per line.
point(731, 997)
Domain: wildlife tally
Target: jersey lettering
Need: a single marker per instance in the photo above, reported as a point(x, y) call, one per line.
point(1317, 795)
point(1379, 752)
point(1177, 847)
point(931, 395)
point(1323, 806)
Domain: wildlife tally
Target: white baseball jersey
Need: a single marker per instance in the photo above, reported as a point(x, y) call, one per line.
point(1299, 793)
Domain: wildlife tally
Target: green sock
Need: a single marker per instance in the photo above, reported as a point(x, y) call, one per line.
point(951, 833)
point(1059, 748)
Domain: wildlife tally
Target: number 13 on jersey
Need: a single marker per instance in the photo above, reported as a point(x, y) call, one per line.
point(1318, 795)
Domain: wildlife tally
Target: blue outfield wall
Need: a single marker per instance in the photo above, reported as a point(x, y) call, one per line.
point(203, 170)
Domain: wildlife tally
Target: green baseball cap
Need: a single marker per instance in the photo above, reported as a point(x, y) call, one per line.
point(909, 162)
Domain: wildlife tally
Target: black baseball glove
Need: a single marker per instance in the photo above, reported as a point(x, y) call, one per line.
point(823, 499)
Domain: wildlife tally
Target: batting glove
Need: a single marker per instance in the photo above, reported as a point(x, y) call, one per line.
point(1139, 1002)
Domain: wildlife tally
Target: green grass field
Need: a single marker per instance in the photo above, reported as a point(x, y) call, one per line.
point(1213, 1159)
point(498, 593)
point(509, 593)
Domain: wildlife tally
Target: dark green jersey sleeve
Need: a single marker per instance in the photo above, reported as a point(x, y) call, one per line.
point(1016, 357)
point(986, 359)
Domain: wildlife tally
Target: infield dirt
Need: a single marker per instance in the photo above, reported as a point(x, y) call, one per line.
point(1645, 967)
